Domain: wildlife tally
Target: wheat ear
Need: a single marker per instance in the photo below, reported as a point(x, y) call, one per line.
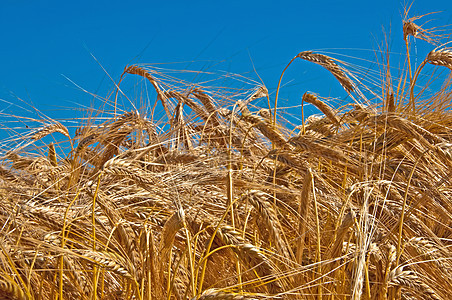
point(111, 261)
point(51, 128)
point(408, 279)
point(329, 64)
point(146, 74)
point(10, 290)
point(304, 213)
point(441, 57)
point(216, 294)
point(325, 108)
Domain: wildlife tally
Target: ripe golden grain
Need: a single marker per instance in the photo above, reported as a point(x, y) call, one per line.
point(141, 208)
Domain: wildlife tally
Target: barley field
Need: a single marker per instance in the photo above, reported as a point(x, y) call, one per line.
point(206, 195)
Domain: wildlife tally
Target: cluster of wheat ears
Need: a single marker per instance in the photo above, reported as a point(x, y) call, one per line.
point(219, 199)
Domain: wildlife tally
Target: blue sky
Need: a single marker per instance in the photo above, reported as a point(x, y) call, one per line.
point(46, 42)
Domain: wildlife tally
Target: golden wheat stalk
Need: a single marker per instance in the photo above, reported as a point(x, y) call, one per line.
point(111, 261)
point(169, 230)
point(440, 57)
point(261, 202)
point(217, 294)
point(409, 279)
point(268, 130)
point(251, 256)
point(207, 101)
point(10, 290)
point(325, 108)
point(49, 129)
point(6, 174)
point(137, 70)
point(120, 167)
point(304, 209)
point(126, 190)
point(52, 155)
point(410, 28)
point(329, 64)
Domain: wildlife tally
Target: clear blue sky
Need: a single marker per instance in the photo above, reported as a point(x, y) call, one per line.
point(43, 40)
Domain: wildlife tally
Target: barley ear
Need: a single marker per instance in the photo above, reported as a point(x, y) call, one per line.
point(441, 57)
point(323, 107)
point(10, 290)
point(303, 214)
point(329, 63)
point(49, 129)
point(52, 155)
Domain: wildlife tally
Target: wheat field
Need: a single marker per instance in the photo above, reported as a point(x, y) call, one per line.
point(205, 195)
